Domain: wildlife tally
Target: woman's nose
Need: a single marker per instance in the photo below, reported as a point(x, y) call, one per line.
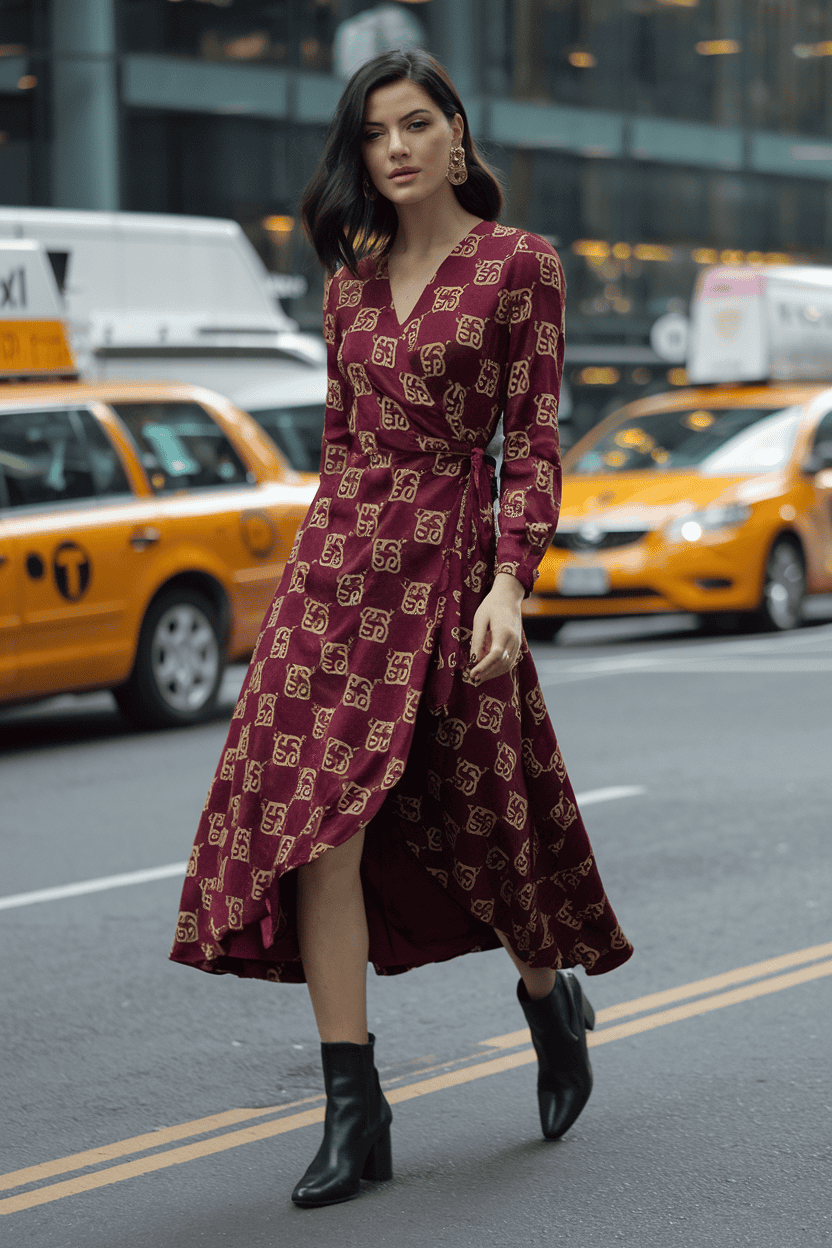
point(397, 146)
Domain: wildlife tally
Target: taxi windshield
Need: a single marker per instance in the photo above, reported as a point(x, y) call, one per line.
point(714, 441)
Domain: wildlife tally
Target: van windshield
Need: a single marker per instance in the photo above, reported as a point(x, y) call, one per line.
point(716, 442)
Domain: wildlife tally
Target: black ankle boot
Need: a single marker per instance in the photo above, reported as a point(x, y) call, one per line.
point(356, 1143)
point(558, 1025)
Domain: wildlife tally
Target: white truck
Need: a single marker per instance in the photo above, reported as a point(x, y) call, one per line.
point(174, 298)
point(768, 323)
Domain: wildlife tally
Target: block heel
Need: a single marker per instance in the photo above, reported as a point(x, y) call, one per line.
point(378, 1167)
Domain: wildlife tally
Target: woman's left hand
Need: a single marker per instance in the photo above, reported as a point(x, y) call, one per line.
point(498, 629)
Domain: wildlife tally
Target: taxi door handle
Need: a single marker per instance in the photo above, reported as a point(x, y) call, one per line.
point(143, 537)
point(3, 560)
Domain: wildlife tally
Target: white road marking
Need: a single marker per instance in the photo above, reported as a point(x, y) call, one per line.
point(609, 795)
point(809, 651)
point(92, 886)
point(14, 900)
point(562, 675)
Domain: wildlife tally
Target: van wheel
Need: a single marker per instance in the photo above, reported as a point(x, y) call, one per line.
point(179, 663)
point(542, 627)
point(784, 588)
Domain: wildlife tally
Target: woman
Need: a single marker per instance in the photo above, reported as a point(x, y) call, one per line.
point(391, 787)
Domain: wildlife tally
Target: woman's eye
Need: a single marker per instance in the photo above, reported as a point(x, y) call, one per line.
point(368, 138)
point(420, 125)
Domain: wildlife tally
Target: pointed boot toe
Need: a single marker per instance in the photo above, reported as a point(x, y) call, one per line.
point(560, 1106)
point(559, 1024)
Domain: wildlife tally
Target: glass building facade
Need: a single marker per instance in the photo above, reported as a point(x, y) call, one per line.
point(645, 138)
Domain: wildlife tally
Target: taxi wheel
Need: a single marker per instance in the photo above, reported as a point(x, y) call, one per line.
point(179, 663)
point(784, 589)
point(542, 627)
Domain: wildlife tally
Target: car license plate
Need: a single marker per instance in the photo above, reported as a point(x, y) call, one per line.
point(578, 582)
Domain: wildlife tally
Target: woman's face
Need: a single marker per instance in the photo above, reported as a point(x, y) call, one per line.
point(407, 142)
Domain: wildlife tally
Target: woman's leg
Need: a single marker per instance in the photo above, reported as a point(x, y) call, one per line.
point(334, 944)
point(332, 928)
point(539, 983)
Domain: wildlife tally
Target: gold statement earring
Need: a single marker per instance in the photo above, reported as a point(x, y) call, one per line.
point(457, 171)
point(370, 191)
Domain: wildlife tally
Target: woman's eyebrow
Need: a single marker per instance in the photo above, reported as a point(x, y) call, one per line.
point(412, 113)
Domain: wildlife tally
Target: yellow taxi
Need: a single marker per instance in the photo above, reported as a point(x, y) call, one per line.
point(143, 529)
point(711, 499)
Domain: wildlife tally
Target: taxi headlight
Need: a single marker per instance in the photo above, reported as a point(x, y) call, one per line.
point(690, 527)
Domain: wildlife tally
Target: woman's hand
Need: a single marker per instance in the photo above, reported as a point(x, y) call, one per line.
point(497, 634)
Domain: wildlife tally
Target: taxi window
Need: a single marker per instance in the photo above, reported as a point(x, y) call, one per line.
point(56, 456)
point(181, 447)
point(716, 442)
point(298, 432)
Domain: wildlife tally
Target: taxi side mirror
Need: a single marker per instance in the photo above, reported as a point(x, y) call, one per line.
point(819, 459)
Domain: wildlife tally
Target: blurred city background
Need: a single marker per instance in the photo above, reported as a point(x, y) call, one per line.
point(681, 625)
point(645, 138)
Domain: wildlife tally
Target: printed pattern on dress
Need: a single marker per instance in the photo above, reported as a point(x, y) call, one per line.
point(358, 711)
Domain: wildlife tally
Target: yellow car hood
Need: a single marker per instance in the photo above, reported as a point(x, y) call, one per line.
point(649, 500)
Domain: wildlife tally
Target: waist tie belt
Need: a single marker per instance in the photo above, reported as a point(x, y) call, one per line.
point(467, 564)
point(484, 470)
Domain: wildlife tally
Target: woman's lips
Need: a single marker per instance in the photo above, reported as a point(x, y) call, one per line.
point(403, 175)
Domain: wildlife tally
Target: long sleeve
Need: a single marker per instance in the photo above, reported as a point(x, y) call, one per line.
point(339, 391)
point(530, 480)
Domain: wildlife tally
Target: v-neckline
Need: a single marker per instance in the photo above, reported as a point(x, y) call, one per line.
point(429, 283)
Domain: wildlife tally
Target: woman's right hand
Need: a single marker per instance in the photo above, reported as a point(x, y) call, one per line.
point(498, 629)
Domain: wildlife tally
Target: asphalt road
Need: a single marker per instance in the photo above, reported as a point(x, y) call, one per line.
point(710, 1120)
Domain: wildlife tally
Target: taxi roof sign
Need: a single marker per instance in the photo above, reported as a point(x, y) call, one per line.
point(33, 335)
point(772, 323)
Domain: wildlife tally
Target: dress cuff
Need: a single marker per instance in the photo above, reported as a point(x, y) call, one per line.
point(525, 573)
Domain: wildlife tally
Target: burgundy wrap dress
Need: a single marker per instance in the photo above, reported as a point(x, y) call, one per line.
point(358, 710)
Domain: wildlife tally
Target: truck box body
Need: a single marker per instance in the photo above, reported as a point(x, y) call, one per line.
point(761, 324)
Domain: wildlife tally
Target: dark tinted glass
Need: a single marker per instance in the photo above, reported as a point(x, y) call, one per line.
point(57, 456)
point(181, 447)
point(298, 432)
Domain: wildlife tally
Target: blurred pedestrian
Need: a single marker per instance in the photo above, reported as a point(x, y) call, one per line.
point(391, 787)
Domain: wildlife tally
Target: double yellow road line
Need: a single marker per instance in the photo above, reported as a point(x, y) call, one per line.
point(220, 1132)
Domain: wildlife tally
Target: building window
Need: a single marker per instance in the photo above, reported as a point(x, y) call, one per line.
point(269, 32)
point(761, 65)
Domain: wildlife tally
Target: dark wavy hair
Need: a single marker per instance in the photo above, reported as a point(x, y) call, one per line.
point(340, 221)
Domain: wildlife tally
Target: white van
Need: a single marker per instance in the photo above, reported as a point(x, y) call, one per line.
point(157, 297)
